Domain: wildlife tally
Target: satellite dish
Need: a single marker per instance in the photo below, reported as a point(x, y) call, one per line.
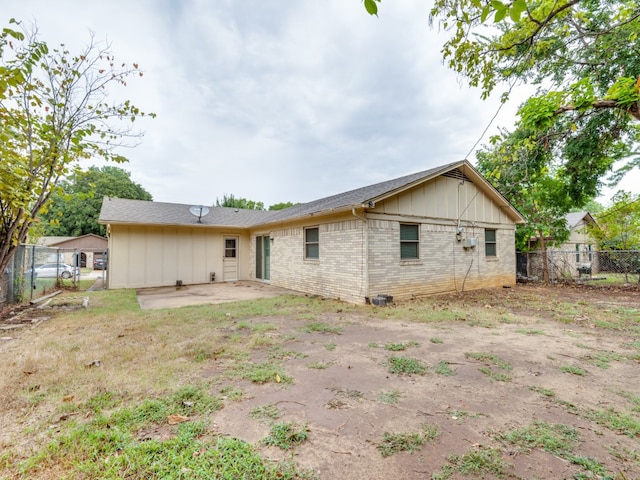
point(199, 211)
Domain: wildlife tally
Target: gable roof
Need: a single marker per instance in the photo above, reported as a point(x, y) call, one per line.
point(574, 218)
point(369, 195)
point(116, 210)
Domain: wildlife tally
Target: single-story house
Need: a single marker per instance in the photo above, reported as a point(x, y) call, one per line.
point(441, 230)
point(84, 246)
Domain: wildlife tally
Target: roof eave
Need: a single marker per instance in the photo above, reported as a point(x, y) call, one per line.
point(319, 213)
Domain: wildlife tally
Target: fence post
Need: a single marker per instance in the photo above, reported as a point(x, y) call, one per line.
point(33, 271)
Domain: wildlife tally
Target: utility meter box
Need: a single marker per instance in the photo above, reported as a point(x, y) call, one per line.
point(469, 242)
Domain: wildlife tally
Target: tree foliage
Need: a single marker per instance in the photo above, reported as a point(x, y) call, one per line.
point(232, 202)
point(618, 227)
point(522, 171)
point(74, 210)
point(282, 205)
point(584, 55)
point(54, 111)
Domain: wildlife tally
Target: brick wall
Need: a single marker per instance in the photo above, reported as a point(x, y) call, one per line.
point(338, 273)
point(444, 265)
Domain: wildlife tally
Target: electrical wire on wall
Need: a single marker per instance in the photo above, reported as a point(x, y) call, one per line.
point(470, 202)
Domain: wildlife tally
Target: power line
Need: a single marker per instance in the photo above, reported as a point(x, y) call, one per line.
point(484, 132)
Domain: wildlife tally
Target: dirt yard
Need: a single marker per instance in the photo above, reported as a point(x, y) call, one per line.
point(503, 372)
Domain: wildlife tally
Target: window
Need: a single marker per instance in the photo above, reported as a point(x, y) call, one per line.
point(409, 240)
point(490, 249)
point(230, 248)
point(577, 253)
point(312, 243)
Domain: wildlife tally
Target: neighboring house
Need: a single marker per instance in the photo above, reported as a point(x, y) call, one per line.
point(442, 230)
point(575, 257)
point(85, 246)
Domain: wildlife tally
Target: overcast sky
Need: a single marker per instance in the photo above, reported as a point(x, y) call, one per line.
point(278, 100)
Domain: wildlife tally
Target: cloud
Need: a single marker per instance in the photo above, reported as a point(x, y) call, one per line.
point(278, 101)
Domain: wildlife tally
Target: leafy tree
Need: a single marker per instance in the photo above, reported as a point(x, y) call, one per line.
point(75, 209)
point(54, 111)
point(232, 202)
point(583, 55)
point(521, 172)
point(618, 227)
point(592, 206)
point(282, 205)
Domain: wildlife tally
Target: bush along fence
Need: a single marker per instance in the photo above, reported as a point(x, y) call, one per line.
point(36, 270)
point(598, 266)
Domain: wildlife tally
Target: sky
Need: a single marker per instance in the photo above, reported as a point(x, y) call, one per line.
point(279, 100)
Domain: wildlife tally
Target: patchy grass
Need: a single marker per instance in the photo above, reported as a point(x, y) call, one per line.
point(543, 391)
point(266, 413)
point(477, 463)
point(557, 439)
point(279, 353)
point(256, 327)
point(461, 415)
point(489, 359)
point(444, 368)
point(603, 359)
point(630, 397)
point(108, 445)
point(319, 365)
point(286, 435)
point(233, 393)
point(264, 372)
point(348, 393)
point(322, 327)
point(573, 370)
point(389, 396)
point(116, 420)
point(406, 366)
point(430, 432)
point(397, 347)
point(495, 368)
point(530, 331)
point(400, 442)
point(615, 420)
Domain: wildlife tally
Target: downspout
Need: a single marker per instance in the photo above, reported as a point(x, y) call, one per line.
point(366, 252)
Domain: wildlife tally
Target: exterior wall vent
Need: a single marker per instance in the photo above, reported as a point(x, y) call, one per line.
point(458, 175)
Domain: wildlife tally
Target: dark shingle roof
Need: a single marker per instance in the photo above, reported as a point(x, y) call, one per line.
point(116, 210)
point(357, 197)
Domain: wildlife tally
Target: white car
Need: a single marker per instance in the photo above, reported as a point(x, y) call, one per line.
point(52, 270)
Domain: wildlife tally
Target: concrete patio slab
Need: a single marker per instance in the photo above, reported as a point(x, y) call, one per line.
point(211, 293)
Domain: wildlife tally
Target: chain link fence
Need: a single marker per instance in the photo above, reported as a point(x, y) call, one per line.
point(598, 267)
point(37, 270)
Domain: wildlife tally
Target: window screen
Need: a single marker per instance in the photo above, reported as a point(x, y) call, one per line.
point(409, 241)
point(490, 242)
point(312, 243)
